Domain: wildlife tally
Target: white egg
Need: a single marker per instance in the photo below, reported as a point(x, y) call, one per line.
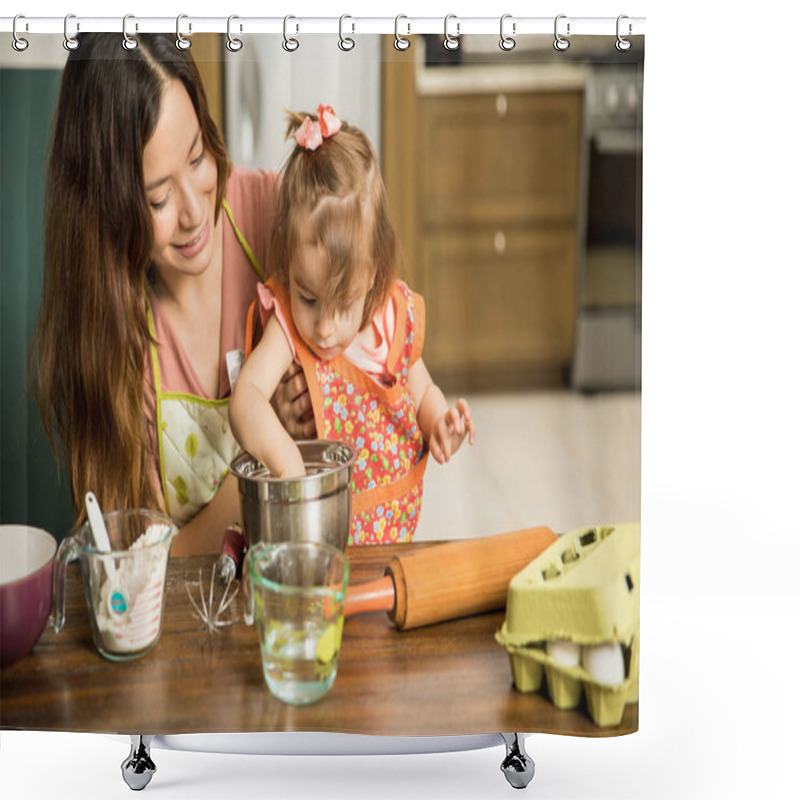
point(564, 652)
point(604, 662)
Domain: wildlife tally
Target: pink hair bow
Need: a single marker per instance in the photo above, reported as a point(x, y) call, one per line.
point(311, 133)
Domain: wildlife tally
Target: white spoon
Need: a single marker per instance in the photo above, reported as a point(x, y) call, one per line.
point(115, 600)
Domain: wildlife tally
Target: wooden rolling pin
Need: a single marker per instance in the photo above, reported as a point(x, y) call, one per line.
point(450, 580)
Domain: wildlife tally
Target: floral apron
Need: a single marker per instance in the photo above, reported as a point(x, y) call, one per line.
point(195, 443)
point(379, 423)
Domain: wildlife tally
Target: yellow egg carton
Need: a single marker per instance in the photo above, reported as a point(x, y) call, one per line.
point(582, 592)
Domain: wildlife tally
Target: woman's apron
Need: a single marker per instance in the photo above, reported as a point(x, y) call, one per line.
point(380, 423)
point(195, 443)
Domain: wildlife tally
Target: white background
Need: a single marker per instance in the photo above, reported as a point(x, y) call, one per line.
point(720, 605)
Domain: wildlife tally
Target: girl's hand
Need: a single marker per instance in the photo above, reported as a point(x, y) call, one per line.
point(450, 430)
point(292, 404)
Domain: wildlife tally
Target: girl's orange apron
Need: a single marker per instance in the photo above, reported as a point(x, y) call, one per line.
point(379, 422)
point(195, 443)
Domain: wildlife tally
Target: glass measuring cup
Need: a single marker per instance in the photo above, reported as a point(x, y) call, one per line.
point(124, 587)
point(295, 592)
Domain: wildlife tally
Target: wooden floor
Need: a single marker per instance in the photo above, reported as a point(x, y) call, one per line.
point(557, 458)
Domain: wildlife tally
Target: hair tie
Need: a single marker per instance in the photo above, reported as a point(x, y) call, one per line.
point(311, 133)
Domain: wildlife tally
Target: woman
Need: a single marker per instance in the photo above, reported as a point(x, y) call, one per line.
point(154, 247)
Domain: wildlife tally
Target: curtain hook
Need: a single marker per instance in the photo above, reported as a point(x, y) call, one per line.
point(451, 42)
point(181, 42)
point(560, 43)
point(289, 44)
point(18, 43)
point(623, 44)
point(400, 42)
point(345, 42)
point(233, 44)
point(128, 42)
point(507, 42)
point(70, 42)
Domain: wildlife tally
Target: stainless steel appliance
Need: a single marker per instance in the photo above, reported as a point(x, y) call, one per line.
point(608, 348)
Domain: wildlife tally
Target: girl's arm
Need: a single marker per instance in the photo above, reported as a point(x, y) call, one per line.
point(443, 428)
point(253, 420)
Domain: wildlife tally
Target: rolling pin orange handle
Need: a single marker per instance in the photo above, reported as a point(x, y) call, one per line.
point(373, 596)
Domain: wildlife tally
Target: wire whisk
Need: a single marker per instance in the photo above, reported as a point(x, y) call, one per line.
point(209, 613)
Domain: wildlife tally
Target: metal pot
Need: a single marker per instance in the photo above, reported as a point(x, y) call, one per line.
point(314, 508)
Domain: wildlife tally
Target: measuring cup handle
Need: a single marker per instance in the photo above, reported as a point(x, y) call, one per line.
point(249, 599)
point(68, 550)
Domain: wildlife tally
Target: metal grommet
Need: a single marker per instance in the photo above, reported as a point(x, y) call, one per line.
point(451, 42)
point(18, 43)
point(70, 42)
point(400, 42)
point(560, 42)
point(233, 44)
point(289, 44)
point(181, 42)
point(345, 42)
point(507, 42)
point(623, 44)
point(127, 42)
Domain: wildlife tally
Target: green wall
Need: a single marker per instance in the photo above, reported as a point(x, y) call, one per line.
point(32, 490)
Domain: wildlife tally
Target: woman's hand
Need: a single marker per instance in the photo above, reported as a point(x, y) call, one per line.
point(450, 430)
point(203, 533)
point(292, 404)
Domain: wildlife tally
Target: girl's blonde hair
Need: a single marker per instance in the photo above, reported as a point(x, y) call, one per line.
point(334, 197)
point(87, 356)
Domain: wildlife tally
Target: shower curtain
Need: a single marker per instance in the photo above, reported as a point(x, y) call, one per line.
point(512, 168)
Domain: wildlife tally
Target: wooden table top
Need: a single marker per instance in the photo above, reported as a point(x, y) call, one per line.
point(449, 678)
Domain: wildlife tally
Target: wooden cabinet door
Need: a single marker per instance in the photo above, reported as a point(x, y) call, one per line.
point(499, 159)
point(485, 189)
point(500, 305)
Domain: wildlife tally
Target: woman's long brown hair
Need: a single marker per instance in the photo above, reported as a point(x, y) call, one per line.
point(88, 351)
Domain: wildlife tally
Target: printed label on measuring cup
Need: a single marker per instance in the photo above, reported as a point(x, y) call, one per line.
point(136, 629)
point(118, 603)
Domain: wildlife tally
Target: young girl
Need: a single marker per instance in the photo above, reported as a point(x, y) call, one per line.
point(336, 307)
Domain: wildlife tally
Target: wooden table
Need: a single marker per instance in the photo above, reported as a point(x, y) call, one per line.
point(450, 678)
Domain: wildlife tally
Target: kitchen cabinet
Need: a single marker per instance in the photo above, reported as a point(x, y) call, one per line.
point(482, 165)
point(207, 50)
point(499, 302)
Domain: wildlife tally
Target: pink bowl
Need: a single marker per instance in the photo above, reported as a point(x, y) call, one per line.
point(26, 588)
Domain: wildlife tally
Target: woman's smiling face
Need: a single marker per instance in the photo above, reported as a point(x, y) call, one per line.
point(180, 179)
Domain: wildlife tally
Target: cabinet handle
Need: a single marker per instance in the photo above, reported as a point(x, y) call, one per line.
point(499, 243)
point(501, 103)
